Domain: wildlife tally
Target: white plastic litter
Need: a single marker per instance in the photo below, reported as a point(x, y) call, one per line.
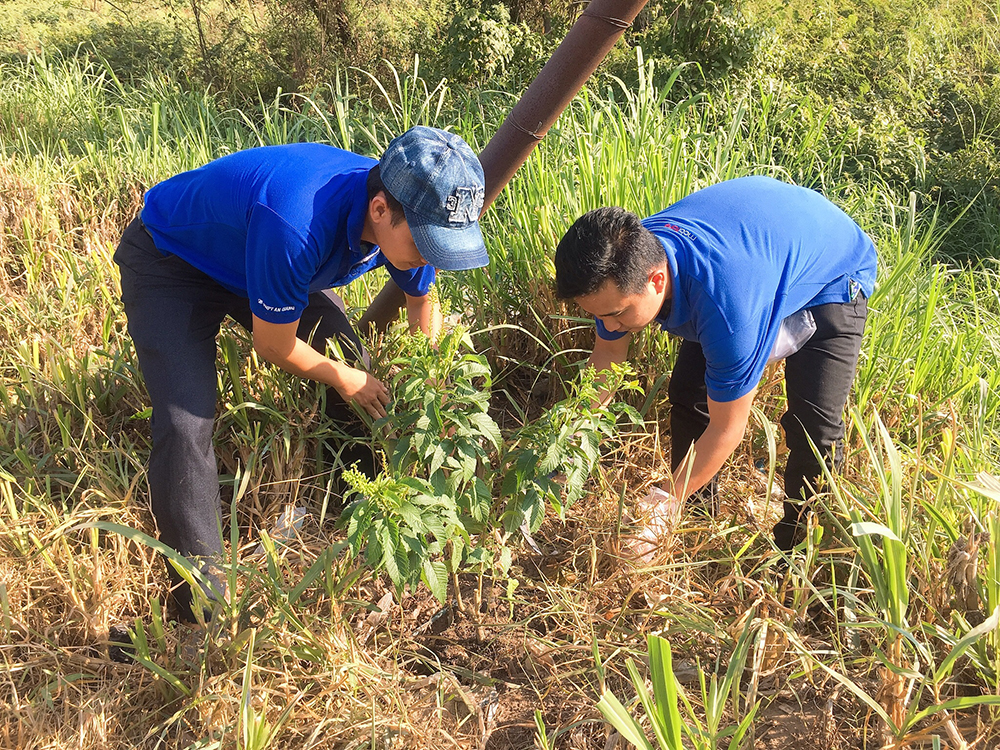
point(526, 533)
point(659, 512)
point(795, 331)
point(286, 527)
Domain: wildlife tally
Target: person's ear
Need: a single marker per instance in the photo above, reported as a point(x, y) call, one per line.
point(378, 208)
point(658, 279)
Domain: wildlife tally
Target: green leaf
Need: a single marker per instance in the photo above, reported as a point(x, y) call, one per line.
point(616, 715)
point(647, 703)
point(482, 500)
point(966, 641)
point(665, 690)
point(554, 455)
point(533, 508)
point(374, 549)
point(393, 556)
point(435, 575)
point(576, 481)
point(185, 567)
point(487, 428)
point(410, 516)
point(958, 704)
point(315, 570)
point(437, 459)
point(589, 446)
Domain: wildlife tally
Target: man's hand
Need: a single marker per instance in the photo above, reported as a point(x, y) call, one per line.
point(278, 344)
point(424, 314)
point(365, 390)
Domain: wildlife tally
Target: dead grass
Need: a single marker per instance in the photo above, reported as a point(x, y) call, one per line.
point(414, 674)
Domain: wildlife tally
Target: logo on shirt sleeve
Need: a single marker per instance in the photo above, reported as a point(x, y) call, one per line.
point(669, 226)
point(269, 308)
point(679, 230)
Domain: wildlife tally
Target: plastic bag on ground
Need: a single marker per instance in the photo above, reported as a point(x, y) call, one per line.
point(658, 513)
point(285, 529)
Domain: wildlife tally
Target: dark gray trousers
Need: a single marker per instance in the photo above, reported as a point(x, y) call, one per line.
point(818, 380)
point(174, 315)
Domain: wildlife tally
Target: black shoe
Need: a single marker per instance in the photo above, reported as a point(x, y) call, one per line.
point(785, 532)
point(790, 531)
point(214, 588)
point(121, 650)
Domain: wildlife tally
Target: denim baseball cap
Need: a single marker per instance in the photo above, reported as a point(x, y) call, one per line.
point(440, 183)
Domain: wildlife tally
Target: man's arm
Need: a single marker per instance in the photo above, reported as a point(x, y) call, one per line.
point(726, 427)
point(607, 353)
point(423, 314)
point(278, 344)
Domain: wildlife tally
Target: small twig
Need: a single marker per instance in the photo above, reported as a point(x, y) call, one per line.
point(478, 603)
point(954, 736)
point(459, 602)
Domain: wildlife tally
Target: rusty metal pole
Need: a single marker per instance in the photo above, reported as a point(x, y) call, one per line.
point(574, 61)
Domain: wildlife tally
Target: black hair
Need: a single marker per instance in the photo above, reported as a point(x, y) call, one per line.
point(376, 186)
point(606, 243)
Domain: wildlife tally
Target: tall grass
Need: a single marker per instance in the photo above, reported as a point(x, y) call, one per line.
point(307, 656)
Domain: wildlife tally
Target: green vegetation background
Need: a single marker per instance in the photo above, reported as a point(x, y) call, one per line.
point(912, 85)
point(892, 110)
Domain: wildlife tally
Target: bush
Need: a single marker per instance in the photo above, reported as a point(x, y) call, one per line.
point(482, 43)
point(131, 50)
point(718, 36)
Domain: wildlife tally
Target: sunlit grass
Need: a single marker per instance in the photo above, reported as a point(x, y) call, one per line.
point(304, 656)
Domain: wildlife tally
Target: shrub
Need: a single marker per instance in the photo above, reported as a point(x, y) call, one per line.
point(131, 50)
point(482, 43)
point(453, 488)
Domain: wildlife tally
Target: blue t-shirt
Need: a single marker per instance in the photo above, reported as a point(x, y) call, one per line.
point(274, 224)
point(745, 254)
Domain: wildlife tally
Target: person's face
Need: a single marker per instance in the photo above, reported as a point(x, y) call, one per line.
point(627, 312)
point(395, 241)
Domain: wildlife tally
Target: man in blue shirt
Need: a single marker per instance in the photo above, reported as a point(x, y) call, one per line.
point(746, 272)
point(262, 236)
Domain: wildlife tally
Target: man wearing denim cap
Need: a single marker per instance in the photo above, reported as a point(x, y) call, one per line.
point(263, 236)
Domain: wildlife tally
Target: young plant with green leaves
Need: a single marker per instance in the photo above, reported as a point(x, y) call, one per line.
point(438, 437)
point(547, 462)
point(439, 426)
point(913, 674)
point(663, 709)
point(450, 475)
point(404, 526)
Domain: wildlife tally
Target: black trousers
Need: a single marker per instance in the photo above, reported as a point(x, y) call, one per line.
point(174, 315)
point(818, 380)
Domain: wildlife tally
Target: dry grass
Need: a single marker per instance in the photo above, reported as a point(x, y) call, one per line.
point(342, 674)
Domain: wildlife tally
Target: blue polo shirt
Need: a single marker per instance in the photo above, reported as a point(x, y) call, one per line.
point(274, 224)
point(745, 254)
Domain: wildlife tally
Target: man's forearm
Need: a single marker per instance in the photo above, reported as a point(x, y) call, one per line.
point(278, 344)
point(305, 362)
point(726, 427)
point(710, 452)
point(605, 354)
